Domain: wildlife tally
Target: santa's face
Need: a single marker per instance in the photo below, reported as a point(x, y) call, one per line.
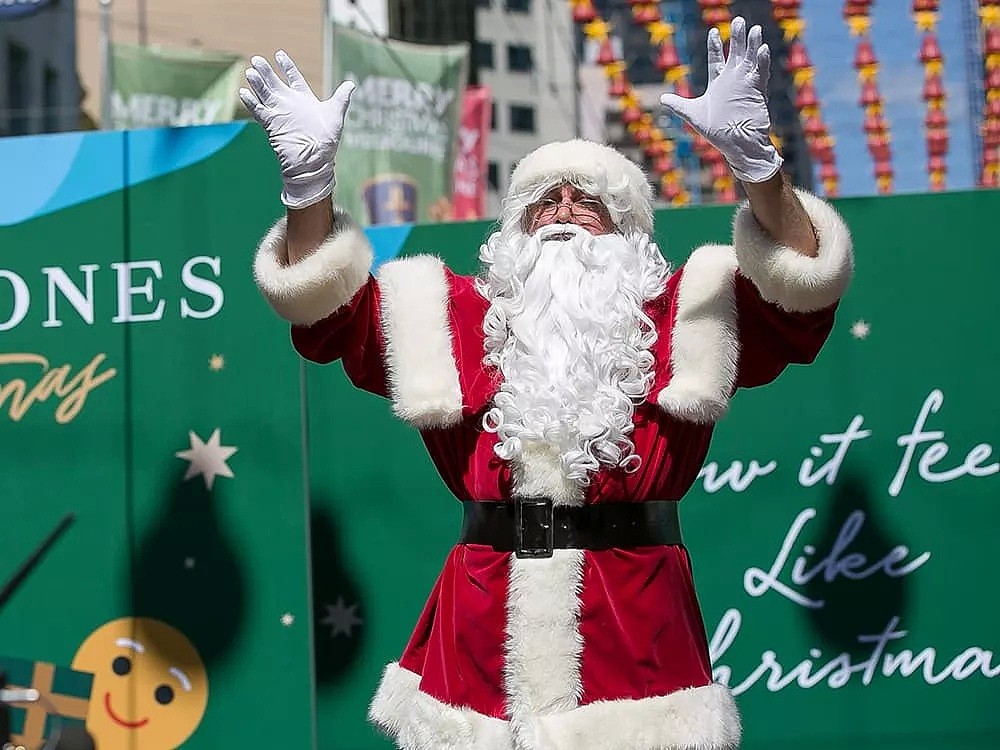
point(567, 204)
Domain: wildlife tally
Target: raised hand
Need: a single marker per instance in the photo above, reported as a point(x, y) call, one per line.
point(732, 113)
point(303, 131)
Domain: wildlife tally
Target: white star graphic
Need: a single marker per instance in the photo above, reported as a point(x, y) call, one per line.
point(189, 562)
point(216, 362)
point(288, 619)
point(207, 459)
point(341, 618)
point(860, 329)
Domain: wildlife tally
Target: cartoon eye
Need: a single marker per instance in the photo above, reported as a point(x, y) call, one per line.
point(121, 666)
point(164, 694)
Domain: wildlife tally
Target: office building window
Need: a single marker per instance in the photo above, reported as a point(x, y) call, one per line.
point(18, 85)
point(518, 6)
point(484, 3)
point(493, 175)
point(519, 58)
point(50, 101)
point(522, 119)
point(484, 54)
point(431, 21)
point(493, 115)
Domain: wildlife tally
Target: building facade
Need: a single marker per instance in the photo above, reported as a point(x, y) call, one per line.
point(526, 53)
point(39, 90)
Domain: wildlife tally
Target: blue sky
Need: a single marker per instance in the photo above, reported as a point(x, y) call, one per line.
point(901, 77)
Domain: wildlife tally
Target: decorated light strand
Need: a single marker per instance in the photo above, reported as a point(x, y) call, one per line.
point(989, 23)
point(675, 73)
point(925, 14)
point(640, 125)
point(857, 14)
point(715, 14)
point(659, 149)
point(798, 64)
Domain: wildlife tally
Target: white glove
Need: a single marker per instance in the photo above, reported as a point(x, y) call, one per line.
point(732, 113)
point(304, 132)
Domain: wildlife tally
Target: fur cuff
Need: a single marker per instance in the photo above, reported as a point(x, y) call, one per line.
point(784, 277)
point(319, 284)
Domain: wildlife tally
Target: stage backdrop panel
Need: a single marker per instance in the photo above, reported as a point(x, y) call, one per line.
point(840, 529)
point(174, 609)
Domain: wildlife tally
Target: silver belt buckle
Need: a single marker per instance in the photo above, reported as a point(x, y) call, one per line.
point(533, 519)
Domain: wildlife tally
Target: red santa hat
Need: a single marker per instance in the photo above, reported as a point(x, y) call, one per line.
point(593, 167)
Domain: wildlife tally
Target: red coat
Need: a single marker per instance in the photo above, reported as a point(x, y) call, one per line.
point(587, 649)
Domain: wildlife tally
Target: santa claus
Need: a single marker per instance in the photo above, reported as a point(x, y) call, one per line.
point(567, 396)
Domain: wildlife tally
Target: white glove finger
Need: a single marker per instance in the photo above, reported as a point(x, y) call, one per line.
point(716, 58)
point(267, 73)
point(754, 38)
point(295, 78)
point(737, 41)
point(257, 110)
point(257, 85)
point(340, 101)
point(680, 106)
point(764, 67)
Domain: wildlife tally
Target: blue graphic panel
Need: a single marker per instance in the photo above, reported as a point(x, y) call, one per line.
point(61, 170)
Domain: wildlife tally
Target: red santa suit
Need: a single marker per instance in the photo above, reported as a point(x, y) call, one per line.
point(588, 649)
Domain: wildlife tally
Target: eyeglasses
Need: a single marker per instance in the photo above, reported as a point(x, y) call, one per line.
point(586, 204)
point(583, 210)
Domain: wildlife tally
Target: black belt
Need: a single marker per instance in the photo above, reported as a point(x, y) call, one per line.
point(533, 527)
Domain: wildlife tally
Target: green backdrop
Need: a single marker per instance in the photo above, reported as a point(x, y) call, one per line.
point(845, 569)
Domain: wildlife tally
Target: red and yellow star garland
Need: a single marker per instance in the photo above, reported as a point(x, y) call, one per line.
point(989, 24)
point(640, 125)
point(857, 14)
point(818, 138)
point(925, 14)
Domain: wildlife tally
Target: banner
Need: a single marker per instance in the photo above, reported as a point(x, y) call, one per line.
point(19, 8)
point(154, 577)
point(470, 161)
point(840, 528)
point(156, 86)
point(394, 165)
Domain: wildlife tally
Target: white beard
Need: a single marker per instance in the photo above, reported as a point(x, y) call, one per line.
point(567, 332)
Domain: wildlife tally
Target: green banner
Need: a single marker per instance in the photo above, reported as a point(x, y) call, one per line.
point(841, 527)
point(395, 163)
point(158, 86)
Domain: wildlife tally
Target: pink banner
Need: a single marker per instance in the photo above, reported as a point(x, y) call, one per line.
point(469, 179)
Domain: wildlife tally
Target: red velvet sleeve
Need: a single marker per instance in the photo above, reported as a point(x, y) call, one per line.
point(353, 335)
point(772, 338)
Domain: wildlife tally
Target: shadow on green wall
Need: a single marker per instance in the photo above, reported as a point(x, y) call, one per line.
point(854, 603)
point(187, 571)
point(338, 601)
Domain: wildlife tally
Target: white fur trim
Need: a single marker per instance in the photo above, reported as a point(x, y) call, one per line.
point(788, 278)
point(416, 721)
point(569, 160)
point(705, 345)
point(423, 376)
point(705, 718)
point(538, 473)
point(543, 642)
point(319, 284)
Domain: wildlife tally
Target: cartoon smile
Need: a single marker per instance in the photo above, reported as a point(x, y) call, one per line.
point(152, 674)
point(118, 719)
